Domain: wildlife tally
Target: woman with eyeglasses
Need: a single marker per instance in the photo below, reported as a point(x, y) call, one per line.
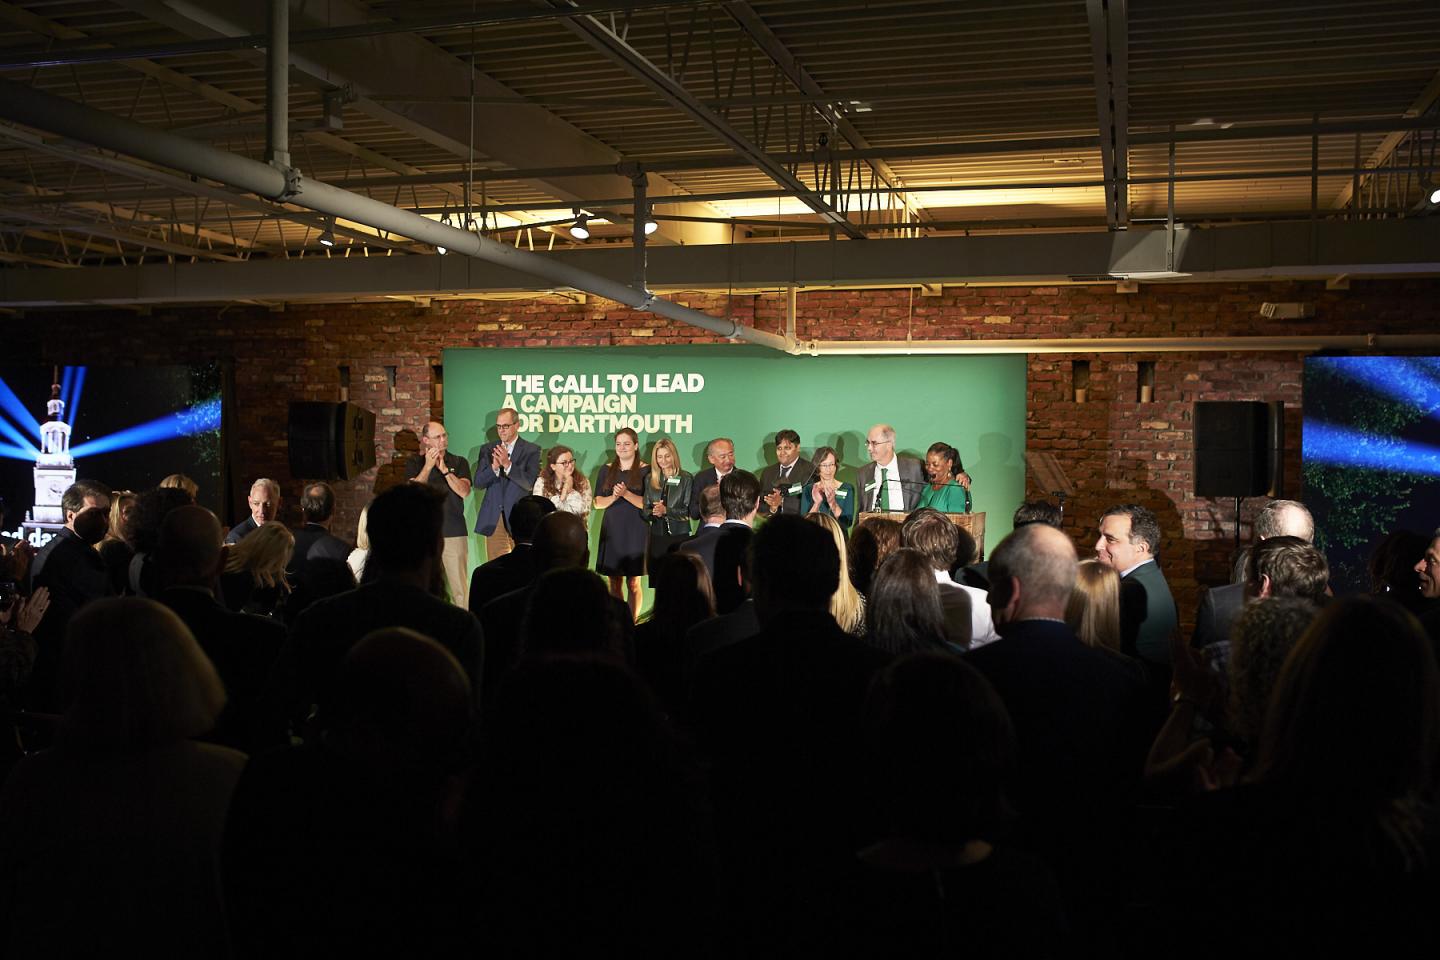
point(564, 485)
point(827, 495)
point(667, 502)
point(621, 494)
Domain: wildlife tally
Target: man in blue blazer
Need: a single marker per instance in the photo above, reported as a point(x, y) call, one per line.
point(506, 471)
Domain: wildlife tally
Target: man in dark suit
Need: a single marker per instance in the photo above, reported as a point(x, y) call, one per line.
point(723, 550)
point(781, 483)
point(314, 541)
point(721, 454)
point(505, 470)
point(264, 503)
point(243, 647)
point(515, 569)
point(1078, 712)
point(889, 483)
point(69, 566)
point(1220, 606)
point(1129, 539)
point(405, 527)
point(779, 716)
point(561, 543)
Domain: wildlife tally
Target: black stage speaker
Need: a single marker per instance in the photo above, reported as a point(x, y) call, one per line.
point(330, 441)
point(1239, 448)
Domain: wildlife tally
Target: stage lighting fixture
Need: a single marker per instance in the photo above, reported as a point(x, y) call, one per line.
point(1435, 196)
point(327, 239)
point(578, 230)
point(442, 250)
point(650, 226)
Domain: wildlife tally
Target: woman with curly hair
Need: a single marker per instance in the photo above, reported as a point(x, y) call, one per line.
point(562, 483)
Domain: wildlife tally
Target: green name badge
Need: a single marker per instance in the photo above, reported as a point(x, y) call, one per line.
point(672, 481)
point(794, 490)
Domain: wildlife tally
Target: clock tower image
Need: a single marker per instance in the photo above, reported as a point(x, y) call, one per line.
point(55, 468)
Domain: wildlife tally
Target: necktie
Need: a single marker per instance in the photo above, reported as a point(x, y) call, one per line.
point(882, 496)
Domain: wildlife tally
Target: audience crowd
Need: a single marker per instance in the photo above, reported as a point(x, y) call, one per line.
point(818, 740)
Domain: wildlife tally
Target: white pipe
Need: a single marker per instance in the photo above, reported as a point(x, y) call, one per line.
point(78, 122)
point(1290, 344)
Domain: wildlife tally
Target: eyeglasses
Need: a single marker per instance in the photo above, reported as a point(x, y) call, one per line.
point(563, 463)
point(502, 426)
point(877, 443)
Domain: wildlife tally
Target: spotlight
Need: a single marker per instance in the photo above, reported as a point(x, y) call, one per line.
point(1435, 196)
point(578, 230)
point(650, 226)
point(327, 239)
point(445, 220)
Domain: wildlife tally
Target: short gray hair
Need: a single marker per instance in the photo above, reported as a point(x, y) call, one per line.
point(268, 484)
point(1285, 518)
point(1032, 555)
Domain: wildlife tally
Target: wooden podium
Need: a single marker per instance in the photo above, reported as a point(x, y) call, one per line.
point(971, 523)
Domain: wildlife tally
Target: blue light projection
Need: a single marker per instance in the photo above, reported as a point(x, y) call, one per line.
point(67, 382)
point(72, 406)
point(1414, 382)
point(1327, 443)
point(197, 419)
point(18, 411)
point(17, 453)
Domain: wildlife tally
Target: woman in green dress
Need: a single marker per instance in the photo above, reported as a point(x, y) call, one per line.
point(826, 494)
point(949, 487)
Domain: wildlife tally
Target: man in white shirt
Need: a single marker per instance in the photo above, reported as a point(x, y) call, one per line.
point(967, 612)
point(889, 483)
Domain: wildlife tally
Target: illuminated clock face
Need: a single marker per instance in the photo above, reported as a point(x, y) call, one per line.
point(55, 488)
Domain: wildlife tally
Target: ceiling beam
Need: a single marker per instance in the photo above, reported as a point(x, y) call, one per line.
point(615, 47)
point(111, 231)
point(1109, 36)
point(402, 62)
point(1383, 151)
point(192, 187)
point(758, 31)
point(1358, 248)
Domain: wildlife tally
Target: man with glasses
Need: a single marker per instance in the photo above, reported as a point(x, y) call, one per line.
point(889, 484)
point(435, 466)
point(506, 472)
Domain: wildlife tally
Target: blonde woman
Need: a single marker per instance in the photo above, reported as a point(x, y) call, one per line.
point(254, 579)
point(667, 502)
point(1094, 608)
point(846, 606)
point(562, 483)
point(118, 547)
point(179, 481)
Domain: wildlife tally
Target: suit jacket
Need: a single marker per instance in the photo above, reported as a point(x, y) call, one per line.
point(1147, 614)
point(1219, 609)
point(705, 478)
point(242, 530)
point(326, 631)
point(802, 473)
point(243, 648)
point(502, 620)
point(494, 578)
point(72, 569)
point(707, 636)
point(722, 549)
point(1078, 715)
point(912, 483)
point(314, 542)
point(504, 489)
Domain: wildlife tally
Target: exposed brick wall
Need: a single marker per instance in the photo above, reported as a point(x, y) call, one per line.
point(1112, 447)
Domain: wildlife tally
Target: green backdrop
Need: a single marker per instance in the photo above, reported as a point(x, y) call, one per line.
point(695, 393)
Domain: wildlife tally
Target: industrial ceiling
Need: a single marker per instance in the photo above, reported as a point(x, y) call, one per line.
point(753, 122)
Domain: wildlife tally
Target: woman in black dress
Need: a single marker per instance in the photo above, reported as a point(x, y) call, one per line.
point(621, 494)
point(667, 503)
